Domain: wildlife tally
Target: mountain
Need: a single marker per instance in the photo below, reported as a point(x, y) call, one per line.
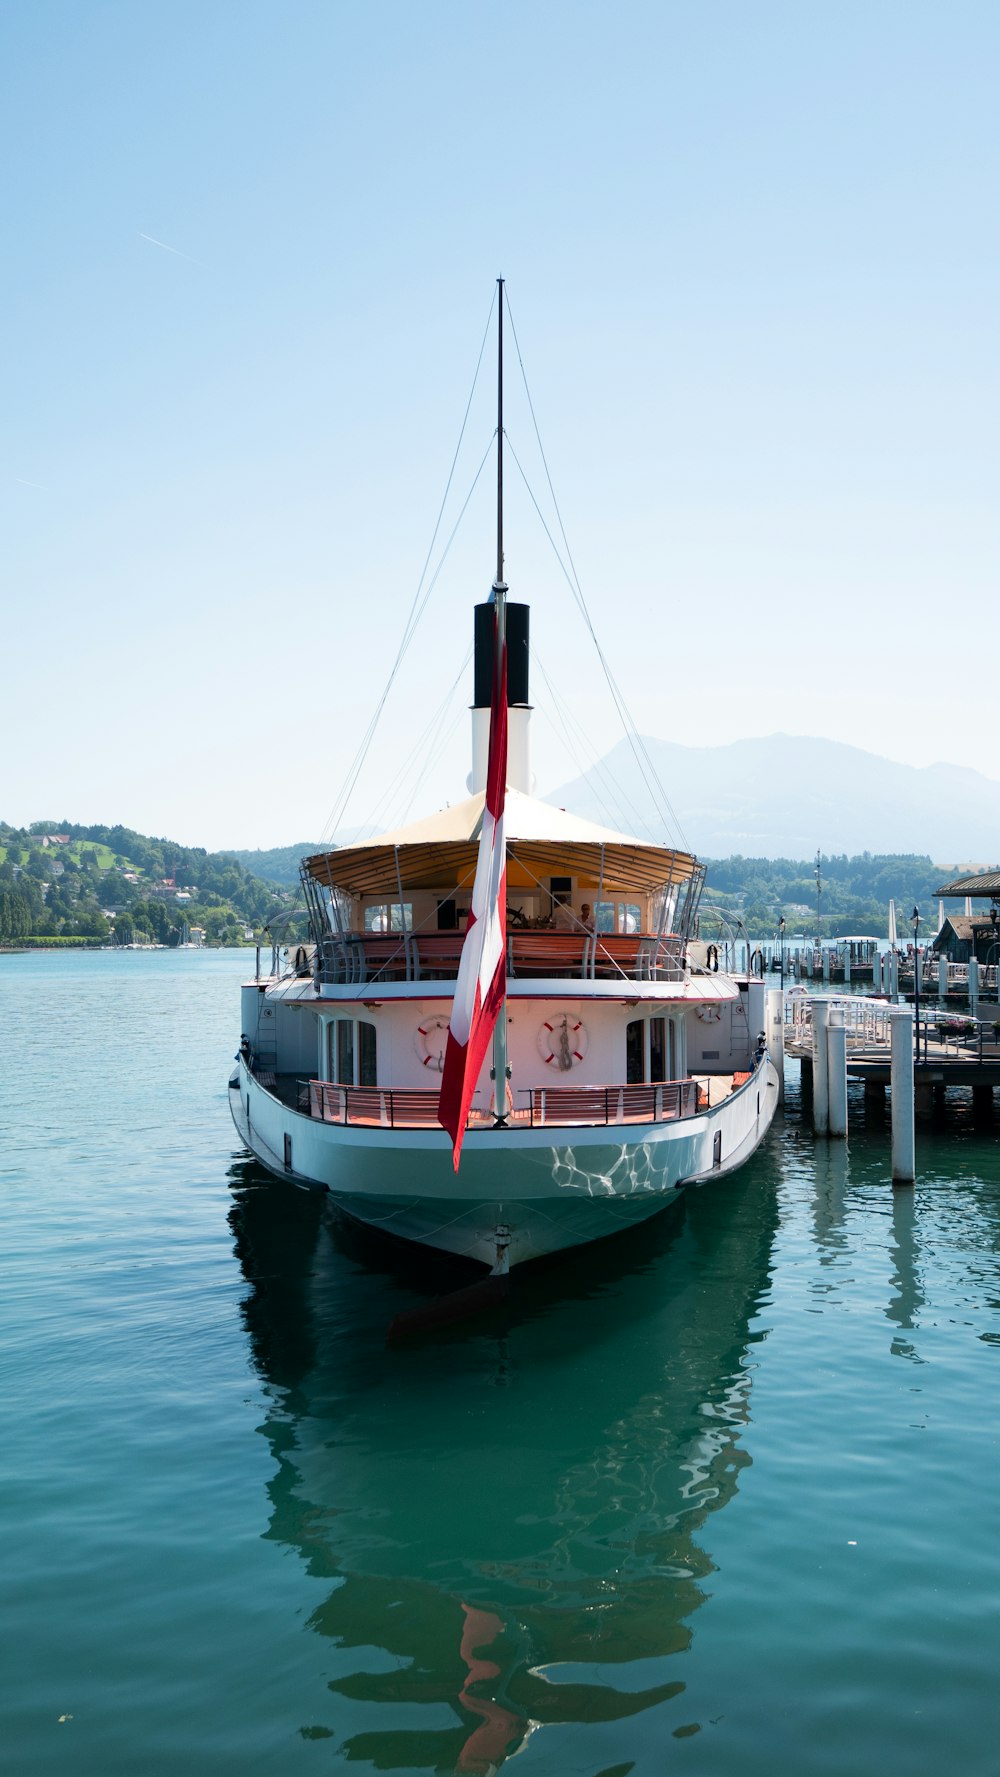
point(789, 796)
point(280, 864)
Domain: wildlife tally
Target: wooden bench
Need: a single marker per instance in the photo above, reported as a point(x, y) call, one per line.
point(548, 953)
point(617, 953)
point(436, 955)
point(384, 958)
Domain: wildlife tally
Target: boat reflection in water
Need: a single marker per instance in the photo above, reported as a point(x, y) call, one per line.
point(511, 1517)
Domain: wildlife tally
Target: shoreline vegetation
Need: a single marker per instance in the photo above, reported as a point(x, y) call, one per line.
point(66, 886)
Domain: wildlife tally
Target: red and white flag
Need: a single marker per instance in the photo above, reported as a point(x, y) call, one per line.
point(482, 970)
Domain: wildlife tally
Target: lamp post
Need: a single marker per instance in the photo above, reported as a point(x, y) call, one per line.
point(781, 951)
point(915, 922)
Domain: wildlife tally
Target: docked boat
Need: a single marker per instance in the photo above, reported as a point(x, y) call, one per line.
point(620, 1063)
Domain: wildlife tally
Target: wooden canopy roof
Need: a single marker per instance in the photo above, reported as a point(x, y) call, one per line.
point(542, 841)
point(986, 884)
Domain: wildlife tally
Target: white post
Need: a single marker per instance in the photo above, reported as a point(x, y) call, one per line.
point(826, 964)
point(836, 1052)
point(974, 986)
point(942, 977)
point(893, 977)
point(821, 1068)
point(902, 1097)
point(847, 965)
point(775, 1001)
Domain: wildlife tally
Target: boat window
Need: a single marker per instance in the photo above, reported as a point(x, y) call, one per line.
point(352, 1053)
point(619, 916)
point(658, 1051)
point(366, 1055)
point(345, 1052)
point(635, 1052)
point(389, 916)
point(648, 1051)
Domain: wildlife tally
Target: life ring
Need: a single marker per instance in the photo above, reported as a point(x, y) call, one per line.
point(430, 1040)
point(757, 962)
point(562, 1043)
point(710, 1014)
point(712, 959)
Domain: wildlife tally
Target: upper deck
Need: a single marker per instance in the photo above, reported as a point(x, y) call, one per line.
point(384, 959)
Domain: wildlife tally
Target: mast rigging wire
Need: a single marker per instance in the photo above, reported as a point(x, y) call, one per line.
point(636, 742)
point(337, 812)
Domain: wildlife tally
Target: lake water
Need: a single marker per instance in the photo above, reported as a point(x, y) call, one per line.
point(722, 1497)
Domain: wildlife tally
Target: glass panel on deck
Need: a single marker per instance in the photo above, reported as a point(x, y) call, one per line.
point(635, 1052)
point(345, 1052)
point(658, 1051)
point(366, 1055)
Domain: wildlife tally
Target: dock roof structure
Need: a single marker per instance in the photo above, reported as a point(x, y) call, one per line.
point(987, 883)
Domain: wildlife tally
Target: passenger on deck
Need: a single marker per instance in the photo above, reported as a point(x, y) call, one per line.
point(587, 917)
point(563, 917)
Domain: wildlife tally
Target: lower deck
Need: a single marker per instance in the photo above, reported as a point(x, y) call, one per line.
point(532, 1107)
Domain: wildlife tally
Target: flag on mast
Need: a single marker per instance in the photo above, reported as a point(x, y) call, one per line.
point(482, 969)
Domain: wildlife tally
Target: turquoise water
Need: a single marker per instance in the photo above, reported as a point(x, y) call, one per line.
point(720, 1497)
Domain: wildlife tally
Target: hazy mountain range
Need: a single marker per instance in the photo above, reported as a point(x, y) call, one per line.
point(784, 797)
point(789, 796)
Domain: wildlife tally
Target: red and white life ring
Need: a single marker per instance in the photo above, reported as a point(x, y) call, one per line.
point(710, 1013)
point(562, 1042)
point(430, 1040)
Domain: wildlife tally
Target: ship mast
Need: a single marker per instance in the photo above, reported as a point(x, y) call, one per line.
point(500, 600)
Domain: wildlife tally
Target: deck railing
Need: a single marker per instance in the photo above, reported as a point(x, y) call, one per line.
point(549, 1105)
point(383, 958)
point(538, 1106)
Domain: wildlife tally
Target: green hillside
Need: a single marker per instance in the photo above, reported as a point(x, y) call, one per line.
point(853, 892)
point(65, 883)
point(280, 864)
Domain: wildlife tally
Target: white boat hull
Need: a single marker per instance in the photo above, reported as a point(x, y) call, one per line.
point(551, 1188)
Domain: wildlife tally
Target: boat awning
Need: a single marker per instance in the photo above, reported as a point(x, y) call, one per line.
point(542, 841)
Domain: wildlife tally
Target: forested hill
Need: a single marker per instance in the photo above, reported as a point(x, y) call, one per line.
point(280, 864)
point(853, 893)
point(60, 880)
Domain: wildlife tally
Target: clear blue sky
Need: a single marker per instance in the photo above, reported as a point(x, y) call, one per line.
point(752, 257)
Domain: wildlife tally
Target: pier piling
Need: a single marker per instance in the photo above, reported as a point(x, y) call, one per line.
point(902, 1103)
point(836, 1053)
point(821, 1068)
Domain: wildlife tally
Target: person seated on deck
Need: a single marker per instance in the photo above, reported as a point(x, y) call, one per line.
point(587, 916)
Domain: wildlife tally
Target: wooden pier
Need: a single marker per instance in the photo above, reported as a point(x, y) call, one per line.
point(949, 1052)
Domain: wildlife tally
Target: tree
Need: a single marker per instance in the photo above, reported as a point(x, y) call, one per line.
point(15, 915)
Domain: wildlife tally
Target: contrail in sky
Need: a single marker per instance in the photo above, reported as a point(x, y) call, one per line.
point(155, 243)
point(23, 483)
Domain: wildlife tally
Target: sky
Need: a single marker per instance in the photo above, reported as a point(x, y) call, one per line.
point(250, 253)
